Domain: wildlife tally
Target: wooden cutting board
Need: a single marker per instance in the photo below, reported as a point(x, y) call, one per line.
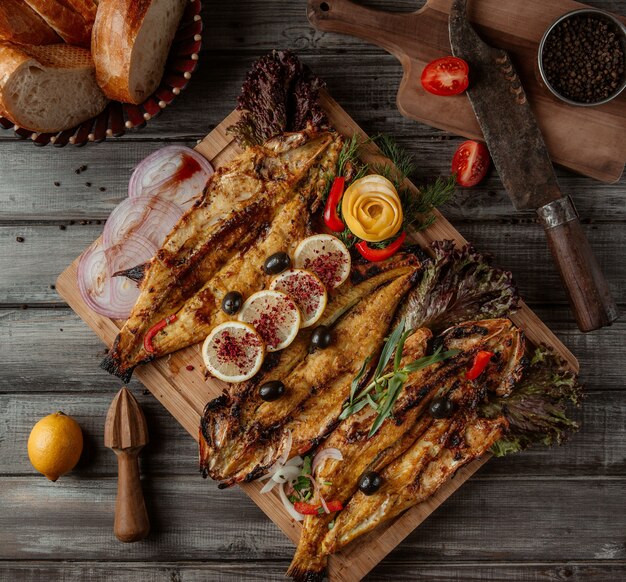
point(179, 383)
point(588, 140)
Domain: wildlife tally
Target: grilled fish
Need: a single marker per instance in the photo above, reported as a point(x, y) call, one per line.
point(337, 480)
point(445, 447)
point(315, 390)
point(258, 204)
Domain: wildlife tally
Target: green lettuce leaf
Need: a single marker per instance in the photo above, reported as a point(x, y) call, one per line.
point(537, 408)
point(459, 285)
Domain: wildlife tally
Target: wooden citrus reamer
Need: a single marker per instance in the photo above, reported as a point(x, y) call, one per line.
point(126, 432)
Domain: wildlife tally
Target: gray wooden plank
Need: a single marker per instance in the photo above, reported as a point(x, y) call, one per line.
point(599, 450)
point(485, 520)
point(29, 267)
point(170, 451)
point(275, 571)
point(38, 356)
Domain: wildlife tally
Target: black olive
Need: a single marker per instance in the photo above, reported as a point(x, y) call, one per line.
point(321, 337)
point(271, 390)
point(231, 303)
point(370, 482)
point(276, 263)
point(441, 407)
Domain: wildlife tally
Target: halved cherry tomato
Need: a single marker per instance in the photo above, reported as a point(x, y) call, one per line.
point(446, 76)
point(470, 163)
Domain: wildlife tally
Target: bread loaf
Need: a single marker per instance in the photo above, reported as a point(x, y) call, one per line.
point(48, 88)
point(130, 43)
point(21, 24)
point(71, 19)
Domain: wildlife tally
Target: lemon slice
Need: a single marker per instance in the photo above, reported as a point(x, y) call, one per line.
point(233, 351)
point(326, 256)
point(307, 290)
point(274, 315)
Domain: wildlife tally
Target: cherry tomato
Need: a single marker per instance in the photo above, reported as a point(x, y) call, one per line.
point(470, 163)
point(446, 76)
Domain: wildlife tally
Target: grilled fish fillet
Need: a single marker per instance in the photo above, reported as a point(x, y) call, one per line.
point(444, 448)
point(315, 391)
point(337, 480)
point(258, 204)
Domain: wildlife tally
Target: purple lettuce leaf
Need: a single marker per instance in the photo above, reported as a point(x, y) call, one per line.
point(279, 94)
point(537, 408)
point(460, 284)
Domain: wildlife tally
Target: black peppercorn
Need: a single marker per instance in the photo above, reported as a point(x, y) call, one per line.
point(583, 58)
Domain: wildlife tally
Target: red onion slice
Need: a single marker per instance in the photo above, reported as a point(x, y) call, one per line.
point(329, 453)
point(148, 216)
point(288, 505)
point(112, 297)
point(174, 173)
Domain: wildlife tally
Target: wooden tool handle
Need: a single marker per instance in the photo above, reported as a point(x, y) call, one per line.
point(586, 287)
point(347, 17)
point(131, 517)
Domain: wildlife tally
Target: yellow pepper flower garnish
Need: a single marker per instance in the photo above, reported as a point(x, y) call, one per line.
point(371, 208)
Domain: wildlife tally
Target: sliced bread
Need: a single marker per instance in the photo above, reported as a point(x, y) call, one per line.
point(48, 88)
point(130, 43)
point(20, 23)
point(71, 19)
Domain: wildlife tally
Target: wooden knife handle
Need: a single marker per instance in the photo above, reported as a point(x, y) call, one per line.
point(586, 287)
point(347, 17)
point(131, 516)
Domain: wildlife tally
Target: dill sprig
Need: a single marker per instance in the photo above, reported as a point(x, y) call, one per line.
point(418, 208)
point(403, 164)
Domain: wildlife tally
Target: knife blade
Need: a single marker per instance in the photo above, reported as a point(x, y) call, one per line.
point(521, 157)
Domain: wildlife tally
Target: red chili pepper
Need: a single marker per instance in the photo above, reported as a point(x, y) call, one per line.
point(331, 216)
point(308, 509)
point(334, 506)
point(376, 255)
point(480, 363)
point(156, 328)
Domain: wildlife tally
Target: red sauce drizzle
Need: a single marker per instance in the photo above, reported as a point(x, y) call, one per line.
point(187, 168)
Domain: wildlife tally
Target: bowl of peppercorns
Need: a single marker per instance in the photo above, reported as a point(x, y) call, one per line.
point(582, 57)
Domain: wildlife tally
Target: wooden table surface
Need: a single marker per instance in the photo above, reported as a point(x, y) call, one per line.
point(542, 515)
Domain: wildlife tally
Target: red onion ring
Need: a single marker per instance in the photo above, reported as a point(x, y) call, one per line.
point(146, 215)
point(324, 454)
point(112, 297)
point(174, 173)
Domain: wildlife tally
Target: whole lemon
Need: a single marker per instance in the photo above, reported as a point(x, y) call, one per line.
point(55, 444)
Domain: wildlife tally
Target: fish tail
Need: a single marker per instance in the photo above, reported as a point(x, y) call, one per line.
point(309, 562)
point(136, 273)
point(113, 365)
point(305, 572)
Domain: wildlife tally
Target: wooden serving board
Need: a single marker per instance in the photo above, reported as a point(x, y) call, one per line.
point(588, 140)
point(185, 392)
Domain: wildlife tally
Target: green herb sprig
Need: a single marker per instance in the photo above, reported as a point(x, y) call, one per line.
point(383, 391)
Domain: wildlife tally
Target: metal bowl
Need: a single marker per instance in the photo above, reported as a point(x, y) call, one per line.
point(601, 14)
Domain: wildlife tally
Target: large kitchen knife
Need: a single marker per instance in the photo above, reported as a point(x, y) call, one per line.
point(521, 158)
